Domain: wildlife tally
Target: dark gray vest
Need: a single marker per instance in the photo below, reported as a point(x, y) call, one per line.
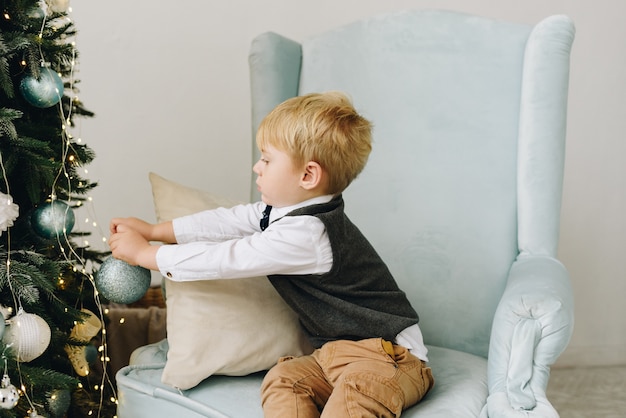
point(358, 298)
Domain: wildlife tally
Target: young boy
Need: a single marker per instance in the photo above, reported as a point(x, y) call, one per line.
point(370, 357)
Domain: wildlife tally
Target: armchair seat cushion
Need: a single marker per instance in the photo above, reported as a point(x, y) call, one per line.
point(460, 389)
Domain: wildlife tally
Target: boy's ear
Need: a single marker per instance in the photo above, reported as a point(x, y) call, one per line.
point(313, 175)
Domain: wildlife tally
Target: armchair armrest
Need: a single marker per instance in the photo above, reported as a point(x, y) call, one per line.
point(532, 327)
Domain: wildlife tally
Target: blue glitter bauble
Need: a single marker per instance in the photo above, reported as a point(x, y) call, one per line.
point(51, 219)
point(120, 282)
point(45, 92)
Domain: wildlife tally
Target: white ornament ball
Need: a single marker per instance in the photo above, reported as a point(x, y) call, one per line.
point(9, 396)
point(28, 334)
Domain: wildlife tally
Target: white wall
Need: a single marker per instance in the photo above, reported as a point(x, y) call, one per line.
point(169, 84)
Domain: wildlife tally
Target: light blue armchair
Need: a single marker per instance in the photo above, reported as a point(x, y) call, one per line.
point(461, 197)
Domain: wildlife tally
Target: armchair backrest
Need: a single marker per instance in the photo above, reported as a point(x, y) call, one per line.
point(466, 170)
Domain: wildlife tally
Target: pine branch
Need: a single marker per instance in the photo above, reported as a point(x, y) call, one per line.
point(7, 127)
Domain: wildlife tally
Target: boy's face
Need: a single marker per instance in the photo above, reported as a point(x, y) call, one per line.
point(277, 178)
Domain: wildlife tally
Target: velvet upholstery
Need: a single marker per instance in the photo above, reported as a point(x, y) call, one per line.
point(461, 197)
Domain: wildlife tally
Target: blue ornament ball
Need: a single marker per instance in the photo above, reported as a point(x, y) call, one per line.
point(120, 282)
point(91, 354)
point(45, 92)
point(53, 219)
point(59, 402)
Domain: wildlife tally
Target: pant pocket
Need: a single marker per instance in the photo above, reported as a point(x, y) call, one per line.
point(377, 395)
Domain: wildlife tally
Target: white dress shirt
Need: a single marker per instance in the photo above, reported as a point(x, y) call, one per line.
point(228, 244)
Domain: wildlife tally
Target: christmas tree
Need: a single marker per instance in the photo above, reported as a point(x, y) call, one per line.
point(52, 352)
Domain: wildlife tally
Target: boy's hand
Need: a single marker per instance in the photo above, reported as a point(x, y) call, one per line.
point(131, 246)
point(144, 228)
point(163, 232)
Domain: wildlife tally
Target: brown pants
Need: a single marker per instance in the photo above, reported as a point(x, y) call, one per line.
point(346, 379)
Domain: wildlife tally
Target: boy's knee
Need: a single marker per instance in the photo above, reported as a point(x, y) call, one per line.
point(285, 372)
point(273, 375)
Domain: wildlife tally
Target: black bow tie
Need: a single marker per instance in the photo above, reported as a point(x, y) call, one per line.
point(265, 220)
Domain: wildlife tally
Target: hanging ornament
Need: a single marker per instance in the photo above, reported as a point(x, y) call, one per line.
point(28, 335)
point(8, 393)
point(34, 414)
point(8, 212)
point(83, 332)
point(58, 6)
point(45, 92)
point(2, 326)
point(91, 354)
point(59, 402)
point(39, 11)
point(120, 282)
point(53, 219)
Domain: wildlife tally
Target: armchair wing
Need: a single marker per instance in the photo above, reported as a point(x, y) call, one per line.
point(534, 319)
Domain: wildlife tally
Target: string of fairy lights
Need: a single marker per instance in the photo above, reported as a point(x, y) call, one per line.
point(63, 239)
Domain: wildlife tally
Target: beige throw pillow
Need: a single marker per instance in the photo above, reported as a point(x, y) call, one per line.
point(231, 327)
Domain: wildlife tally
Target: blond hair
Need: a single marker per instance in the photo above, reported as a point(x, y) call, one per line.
point(320, 127)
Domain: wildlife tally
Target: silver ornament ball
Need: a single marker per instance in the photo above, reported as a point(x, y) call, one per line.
point(120, 282)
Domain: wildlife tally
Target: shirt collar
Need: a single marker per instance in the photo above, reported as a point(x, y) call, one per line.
point(280, 212)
